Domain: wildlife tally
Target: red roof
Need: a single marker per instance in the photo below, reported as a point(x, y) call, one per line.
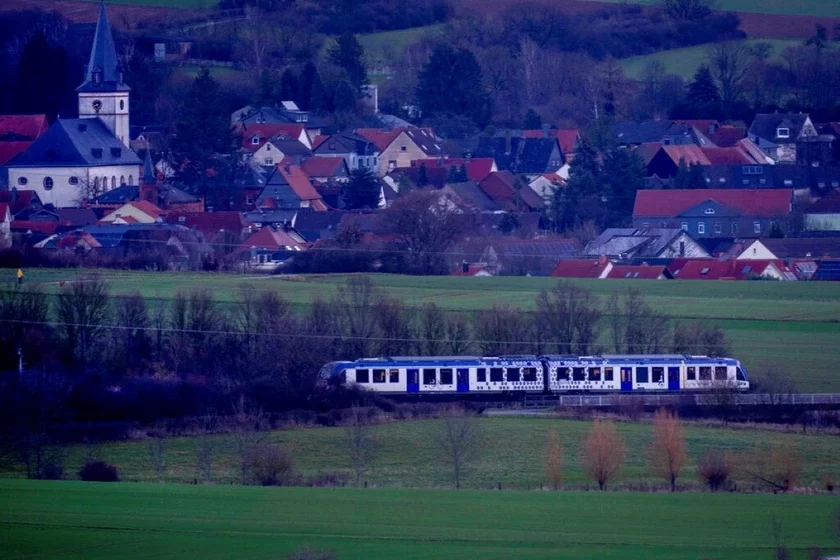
point(8, 150)
point(46, 226)
point(321, 166)
point(642, 272)
point(22, 127)
point(472, 270)
point(567, 140)
point(318, 140)
point(210, 222)
point(580, 268)
point(147, 208)
point(690, 153)
point(727, 156)
point(379, 137)
point(270, 239)
point(22, 201)
point(700, 124)
point(264, 131)
point(477, 168)
point(728, 136)
point(766, 203)
point(499, 186)
point(300, 184)
point(709, 269)
point(5, 211)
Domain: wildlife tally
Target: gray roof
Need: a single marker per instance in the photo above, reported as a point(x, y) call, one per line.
point(526, 155)
point(639, 133)
point(103, 59)
point(149, 175)
point(765, 126)
point(630, 242)
point(426, 140)
point(347, 143)
point(271, 216)
point(76, 143)
point(470, 193)
point(167, 195)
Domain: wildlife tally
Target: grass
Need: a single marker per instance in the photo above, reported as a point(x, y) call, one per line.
point(511, 450)
point(125, 521)
point(821, 8)
point(184, 4)
point(791, 327)
point(684, 62)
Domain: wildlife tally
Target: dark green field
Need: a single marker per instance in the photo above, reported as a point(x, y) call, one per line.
point(124, 521)
point(511, 451)
point(792, 327)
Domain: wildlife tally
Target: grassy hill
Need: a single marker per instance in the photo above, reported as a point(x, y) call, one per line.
point(126, 521)
point(790, 327)
point(822, 8)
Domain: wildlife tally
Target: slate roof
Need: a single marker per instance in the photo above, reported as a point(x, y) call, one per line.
point(477, 168)
point(829, 204)
point(769, 203)
point(426, 141)
point(345, 143)
point(640, 133)
point(14, 128)
point(264, 217)
point(551, 248)
point(526, 155)
point(827, 270)
point(103, 58)
point(313, 225)
point(76, 143)
point(472, 195)
point(632, 243)
point(803, 247)
point(765, 126)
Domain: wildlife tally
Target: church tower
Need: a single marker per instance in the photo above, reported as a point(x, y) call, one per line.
point(104, 93)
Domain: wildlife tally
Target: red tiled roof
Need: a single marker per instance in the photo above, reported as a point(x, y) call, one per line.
point(700, 124)
point(147, 208)
point(321, 166)
point(36, 226)
point(499, 186)
point(691, 153)
point(8, 150)
point(318, 140)
point(566, 138)
point(707, 269)
point(23, 127)
point(477, 168)
point(265, 131)
point(17, 201)
point(728, 136)
point(210, 222)
point(379, 137)
point(270, 239)
point(299, 182)
point(727, 156)
point(580, 268)
point(644, 272)
point(472, 270)
point(767, 203)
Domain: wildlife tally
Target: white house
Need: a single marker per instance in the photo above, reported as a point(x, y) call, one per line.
point(5, 226)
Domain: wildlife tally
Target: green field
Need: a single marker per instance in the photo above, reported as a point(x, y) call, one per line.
point(823, 8)
point(98, 521)
point(791, 327)
point(184, 4)
point(684, 62)
point(511, 451)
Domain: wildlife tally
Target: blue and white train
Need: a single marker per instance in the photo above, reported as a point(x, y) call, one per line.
point(444, 375)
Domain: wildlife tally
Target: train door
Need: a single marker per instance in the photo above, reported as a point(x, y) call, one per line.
point(626, 379)
point(413, 381)
point(673, 379)
point(463, 380)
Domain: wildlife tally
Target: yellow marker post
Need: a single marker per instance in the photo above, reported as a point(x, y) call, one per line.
point(20, 276)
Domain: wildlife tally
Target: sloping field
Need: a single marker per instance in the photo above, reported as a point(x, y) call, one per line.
point(121, 13)
point(790, 327)
point(125, 521)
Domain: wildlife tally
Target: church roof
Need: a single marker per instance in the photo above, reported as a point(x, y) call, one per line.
point(103, 59)
point(76, 143)
point(149, 175)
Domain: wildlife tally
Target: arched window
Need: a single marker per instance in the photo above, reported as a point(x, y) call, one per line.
point(131, 179)
point(96, 183)
point(113, 182)
point(48, 183)
point(122, 180)
point(122, 104)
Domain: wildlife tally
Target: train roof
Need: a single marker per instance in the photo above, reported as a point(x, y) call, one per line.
point(641, 358)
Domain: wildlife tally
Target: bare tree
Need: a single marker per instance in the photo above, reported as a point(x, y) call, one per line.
point(355, 304)
point(667, 454)
point(714, 469)
point(569, 315)
point(206, 447)
point(157, 453)
point(777, 467)
point(729, 62)
point(130, 343)
point(502, 330)
point(432, 331)
point(24, 314)
point(458, 438)
point(82, 310)
point(395, 327)
point(698, 337)
point(602, 453)
point(360, 443)
point(246, 433)
point(555, 459)
point(687, 9)
point(635, 326)
point(458, 335)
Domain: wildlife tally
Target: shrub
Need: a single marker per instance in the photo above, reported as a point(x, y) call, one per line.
point(310, 554)
point(99, 471)
point(714, 469)
point(268, 465)
point(829, 484)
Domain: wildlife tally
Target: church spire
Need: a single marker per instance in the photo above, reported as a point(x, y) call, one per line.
point(104, 72)
point(149, 177)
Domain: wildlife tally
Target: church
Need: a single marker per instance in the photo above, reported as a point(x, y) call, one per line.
point(78, 159)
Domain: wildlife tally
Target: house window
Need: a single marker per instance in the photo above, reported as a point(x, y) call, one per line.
point(249, 199)
point(684, 226)
point(783, 132)
point(22, 180)
point(122, 104)
point(757, 227)
point(73, 180)
point(788, 183)
point(255, 140)
point(48, 183)
point(710, 210)
point(268, 147)
point(734, 227)
point(402, 148)
point(269, 161)
point(701, 228)
point(392, 165)
point(762, 181)
point(718, 227)
point(113, 181)
point(122, 180)
point(131, 179)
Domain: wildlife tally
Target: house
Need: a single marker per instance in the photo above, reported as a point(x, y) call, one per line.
point(639, 272)
point(526, 156)
point(21, 202)
point(286, 113)
point(289, 187)
point(17, 132)
point(824, 214)
point(5, 226)
point(472, 269)
point(535, 257)
point(254, 136)
point(325, 169)
point(503, 188)
point(545, 184)
point(807, 179)
point(827, 270)
point(271, 245)
point(666, 160)
point(137, 212)
point(732, 269)
point(400, 147)
point(143, 138)
point(714, 212)
point(224, 230)
point(649, 243)
point(469, 197)
point(476, 168)
point(312, 225)
point(597, 268)
point(358, 152)
point(777, 134)
point(278, 149)
point(666, 132)
point(791, 248)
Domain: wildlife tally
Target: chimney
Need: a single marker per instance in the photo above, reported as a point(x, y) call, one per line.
point(14, 194)
point(602, 260)
point(465, 267)
point(507, 142)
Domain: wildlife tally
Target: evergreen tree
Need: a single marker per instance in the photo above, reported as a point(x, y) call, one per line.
point(702, 90)
point(344, 97)
point(45, 80)
point(265, 91)
point(451, 82)
point(151, 80)
point(422, 176)
point(689, 176)
point(462, 174)
point(310, 89)
point(452, 174)
point(362, 190)
point(584, 196)
point(533, 121)
point(623, 175)
point(348, 53)
point(289, 86)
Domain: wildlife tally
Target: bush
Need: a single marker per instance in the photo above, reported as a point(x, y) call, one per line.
point(310, 554)
point(268, 465)
point(714, 469)
point(99, 471)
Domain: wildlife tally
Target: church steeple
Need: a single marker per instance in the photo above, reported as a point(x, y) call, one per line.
point(149, 177)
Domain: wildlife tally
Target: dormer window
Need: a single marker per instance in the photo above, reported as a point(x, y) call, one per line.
point(116, 152)
point(97, 75)
point(710, 210)
point(255, 140)
point(96, 152)
point(782, 132)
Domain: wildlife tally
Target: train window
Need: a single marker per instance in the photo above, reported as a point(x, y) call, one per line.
point(429, 376)
point(562, 374)
point(529, 374)
point(641, 375)
point(594, 374)
point(608, 374)
point(513, 374)
point(446, 376)
point(578, 374)
point(481, 375)
point(720, 373)
point(497, 374)
point(705, 373)
point(691, 373)
point(362, 376)
point(658, 374)
point(379, 376)
point(394, 376)
point(739, 375)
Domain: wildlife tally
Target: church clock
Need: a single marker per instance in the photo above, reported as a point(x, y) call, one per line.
point(97, 105)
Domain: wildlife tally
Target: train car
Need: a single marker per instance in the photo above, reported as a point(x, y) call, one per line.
point(440, 375)
point(655, 372)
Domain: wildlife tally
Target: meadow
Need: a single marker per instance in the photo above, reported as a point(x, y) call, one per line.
point(511, 449)
point(789, 327)
point(822, 8)
point(100, 521)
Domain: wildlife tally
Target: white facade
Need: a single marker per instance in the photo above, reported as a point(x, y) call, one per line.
point(822, 222)
point(756, 251)
point(67, 186)
point(111, 108)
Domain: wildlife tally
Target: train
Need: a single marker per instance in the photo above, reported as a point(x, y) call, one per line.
point(504, 375)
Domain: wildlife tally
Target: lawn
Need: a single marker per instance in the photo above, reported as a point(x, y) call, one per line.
point(125, 521)
point(684, 62)
point(185, 4)
point(791, 327)
point(511, 451)
point(822, 8)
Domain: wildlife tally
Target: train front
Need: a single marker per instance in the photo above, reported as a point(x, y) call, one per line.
point(332, 375)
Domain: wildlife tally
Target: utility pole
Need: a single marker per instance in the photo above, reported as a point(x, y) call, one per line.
point(20, 364)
